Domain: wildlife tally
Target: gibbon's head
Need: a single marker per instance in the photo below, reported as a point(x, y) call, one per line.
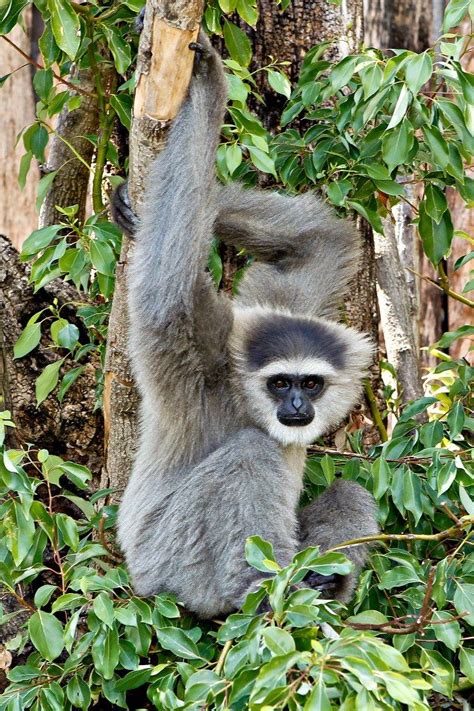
point(299, 376)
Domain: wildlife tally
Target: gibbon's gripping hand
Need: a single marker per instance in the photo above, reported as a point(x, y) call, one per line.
point(122, 213)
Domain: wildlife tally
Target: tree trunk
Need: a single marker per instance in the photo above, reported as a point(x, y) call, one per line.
point(18, 216)
point(71, 184)
point(70, 429)
point(164, 70)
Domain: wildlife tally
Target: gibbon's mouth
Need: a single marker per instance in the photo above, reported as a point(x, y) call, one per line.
point(296, 420)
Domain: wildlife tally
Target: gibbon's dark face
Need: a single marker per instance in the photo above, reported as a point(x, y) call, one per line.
point(294, 395)
point(299, 375)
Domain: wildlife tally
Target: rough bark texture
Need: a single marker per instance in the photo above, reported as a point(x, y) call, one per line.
point(70, 429)
point(169, 26)
point(18, 215)
point(398, 23)
point(70, 186)
point(395, 313)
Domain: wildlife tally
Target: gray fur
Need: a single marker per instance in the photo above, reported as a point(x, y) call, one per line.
point(208, 471)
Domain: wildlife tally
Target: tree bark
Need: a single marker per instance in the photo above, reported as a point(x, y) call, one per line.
point(18, 215)
point(396, 318)
point(164, 70)
point(71, 184)
point(399, 23)
point(70, 429)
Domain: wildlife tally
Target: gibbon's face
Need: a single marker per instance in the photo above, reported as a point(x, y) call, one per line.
point(301, 376)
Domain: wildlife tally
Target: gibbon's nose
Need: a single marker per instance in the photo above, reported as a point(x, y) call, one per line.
point(297, 403)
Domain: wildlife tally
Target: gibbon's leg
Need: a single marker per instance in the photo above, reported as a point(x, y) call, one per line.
point(193, 542)
point(344, 511)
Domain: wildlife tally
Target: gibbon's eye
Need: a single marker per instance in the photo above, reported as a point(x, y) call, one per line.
point(313, 383)
point(278, 384)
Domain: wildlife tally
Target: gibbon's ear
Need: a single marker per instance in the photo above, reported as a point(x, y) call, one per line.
point(359, 352)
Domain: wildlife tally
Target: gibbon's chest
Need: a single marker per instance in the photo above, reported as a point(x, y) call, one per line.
point(295, 458)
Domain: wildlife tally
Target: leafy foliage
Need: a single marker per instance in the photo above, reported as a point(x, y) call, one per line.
point(362, 130)
point(88, 638)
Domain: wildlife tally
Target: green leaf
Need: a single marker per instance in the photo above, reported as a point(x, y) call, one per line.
point(106, 652)
point(29, 339)
point(9, 13)
point(370, 215)
point(436, 238)
point(42, 190)
point(259, 554)
point(398, 577)
point(435, 202)
point(39, 239)
point(134, 679)
point(396, 144)
point(456, 419)
point(43, 83)
point(454, 13)
point(438, 146)
point(68, 380)
point(47, 381)
point(122, 105)
point(66, 26)
point(449, 632)
point(382, 475)
point(121, 51)
point(43, 595)
point(237, 43)
point(279, 82)
point(466, 658)
point(46, 633)
point(78, 692)
point(418, 70)
point(68, 336)
point(398, 688)
point(104, 609)
point(318, 700)
point(261, 160)
point(342, 73)
point(233, 157)
point(431, 433)
point(178, 642)
point(338, 190)
point(102, 257)
point(464, 600)
point(400, 107)
point(278, 641)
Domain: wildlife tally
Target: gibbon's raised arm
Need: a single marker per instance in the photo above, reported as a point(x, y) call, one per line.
point(168, 284)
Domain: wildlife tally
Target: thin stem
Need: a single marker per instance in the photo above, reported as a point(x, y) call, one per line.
point(222, 656)
point(369, 393)
point(36, 64)
point(106, 119)
point(444, 283)
point(464, 522)
point(446, 289)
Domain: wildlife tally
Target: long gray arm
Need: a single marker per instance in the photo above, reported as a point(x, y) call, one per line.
point(171, 296)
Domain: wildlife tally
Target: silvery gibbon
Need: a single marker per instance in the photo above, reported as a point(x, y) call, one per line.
point(232, 391)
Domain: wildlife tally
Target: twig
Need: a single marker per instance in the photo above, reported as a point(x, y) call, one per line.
point(418, 625)
point(36, 64)
point(409, 459)
point(222, 656)
point(454, 531)
point(446, 289)
point(105, 543)
point(369, 394)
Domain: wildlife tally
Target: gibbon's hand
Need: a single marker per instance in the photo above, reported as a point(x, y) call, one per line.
point(122, 213)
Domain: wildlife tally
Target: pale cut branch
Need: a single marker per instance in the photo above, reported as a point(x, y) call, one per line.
point(395, 312)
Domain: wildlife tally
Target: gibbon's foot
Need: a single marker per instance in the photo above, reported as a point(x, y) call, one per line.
point(329, 584)
point(122, 212)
